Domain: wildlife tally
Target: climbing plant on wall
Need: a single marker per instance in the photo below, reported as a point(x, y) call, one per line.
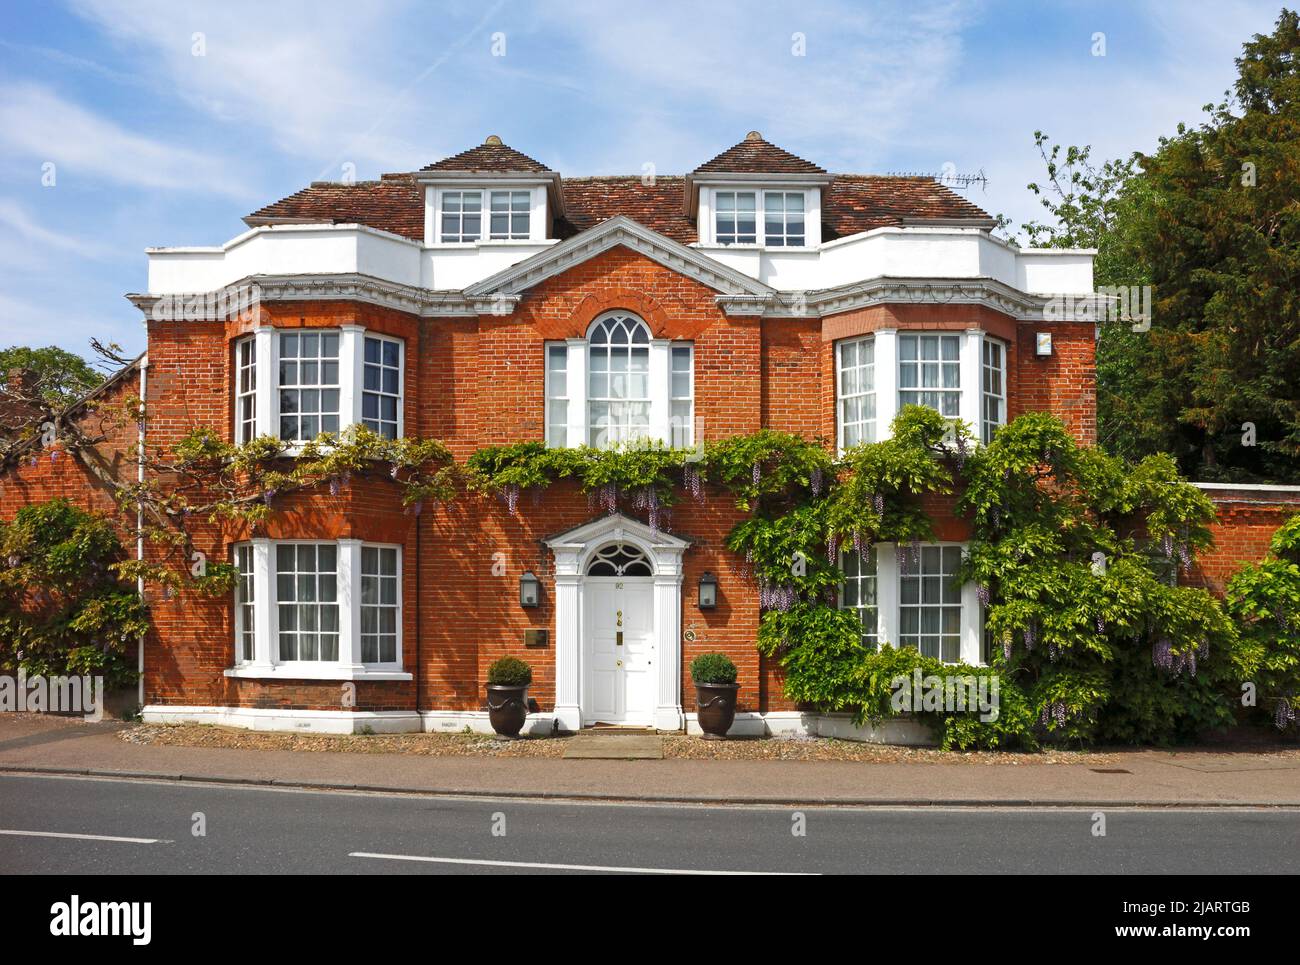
point(1071, 552)
point(1265, 599)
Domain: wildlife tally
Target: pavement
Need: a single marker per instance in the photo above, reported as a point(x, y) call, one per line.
point(1144, 778)
point(93, 826)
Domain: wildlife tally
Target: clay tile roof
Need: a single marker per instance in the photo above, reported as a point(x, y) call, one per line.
point(491, 156)
point(859, 202)
point(658, 206)
point(394, 203)
point(754, 155)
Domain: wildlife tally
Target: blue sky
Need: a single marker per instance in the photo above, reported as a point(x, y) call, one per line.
point(153, 145)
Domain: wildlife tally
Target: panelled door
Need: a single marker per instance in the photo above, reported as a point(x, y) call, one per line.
point(620, 650)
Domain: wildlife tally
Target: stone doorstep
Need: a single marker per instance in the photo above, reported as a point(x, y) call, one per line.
point(615, 747)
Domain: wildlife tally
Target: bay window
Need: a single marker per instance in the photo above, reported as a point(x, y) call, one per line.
point(930, 605)
point(309, 385)
point(911, 597)
point(619, 386)
point(245, 602)
point(855, 364)
point(381, 396)
point(378, 604)
point(858, 592)
point(960, 375)
point(306, 595)
point(321, 381)
point(245, 390)
point(994, 371)
point(325, 610)
point(929, 372)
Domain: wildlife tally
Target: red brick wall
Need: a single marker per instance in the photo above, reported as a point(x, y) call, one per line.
point(1247, 520)
point(478, 381)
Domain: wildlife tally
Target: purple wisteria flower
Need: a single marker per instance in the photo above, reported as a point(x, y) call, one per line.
point(815, 481)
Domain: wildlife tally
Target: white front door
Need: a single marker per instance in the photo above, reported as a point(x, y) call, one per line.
point(619, 647)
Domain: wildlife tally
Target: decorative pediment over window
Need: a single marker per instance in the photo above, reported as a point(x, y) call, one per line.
point(505, 287)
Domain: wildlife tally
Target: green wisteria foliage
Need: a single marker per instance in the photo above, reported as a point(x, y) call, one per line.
point(1073, 554)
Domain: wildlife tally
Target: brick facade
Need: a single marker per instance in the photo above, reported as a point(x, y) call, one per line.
point(478, 381)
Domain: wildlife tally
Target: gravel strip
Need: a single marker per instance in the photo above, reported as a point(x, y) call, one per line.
point(675, 746)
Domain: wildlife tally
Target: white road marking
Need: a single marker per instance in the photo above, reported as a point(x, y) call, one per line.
point(82, 837)
point(558, 867)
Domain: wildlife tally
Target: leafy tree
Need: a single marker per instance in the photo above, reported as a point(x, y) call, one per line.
point(1220, 238)
point(59, 376)
point(64, 610)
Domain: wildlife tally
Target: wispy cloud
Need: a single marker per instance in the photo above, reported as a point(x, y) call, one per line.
point(39, 125)
point(25, 229)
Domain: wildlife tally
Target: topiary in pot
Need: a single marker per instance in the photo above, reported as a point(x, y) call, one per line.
point(507, 695)
point(715, 693)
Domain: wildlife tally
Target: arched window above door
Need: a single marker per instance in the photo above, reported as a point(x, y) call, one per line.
point(619, 559)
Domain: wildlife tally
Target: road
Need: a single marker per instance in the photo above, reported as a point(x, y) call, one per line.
point(95, 826)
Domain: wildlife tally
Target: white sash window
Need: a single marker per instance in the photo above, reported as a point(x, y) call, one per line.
point(619, 386)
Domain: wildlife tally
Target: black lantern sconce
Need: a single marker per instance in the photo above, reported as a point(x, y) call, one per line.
point(530, 589)
point(708, 591)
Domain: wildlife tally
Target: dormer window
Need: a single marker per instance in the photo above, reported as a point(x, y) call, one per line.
point(510, 210)
point(735, 218)
point(770, 217)
point(783, 223)
point(472, 215)
point(462, 215)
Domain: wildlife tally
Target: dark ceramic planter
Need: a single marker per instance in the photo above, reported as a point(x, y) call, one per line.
point(507, 708)
point(716, 704)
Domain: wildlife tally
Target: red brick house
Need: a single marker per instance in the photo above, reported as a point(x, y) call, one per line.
point(486, 299)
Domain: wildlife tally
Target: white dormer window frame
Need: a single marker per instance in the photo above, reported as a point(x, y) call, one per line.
point(469, 213)
point(771, 205)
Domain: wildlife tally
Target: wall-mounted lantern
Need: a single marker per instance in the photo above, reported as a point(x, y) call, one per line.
point(708, 591)
point(530, 589)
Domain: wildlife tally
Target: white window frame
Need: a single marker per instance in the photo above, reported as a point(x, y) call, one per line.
point(460, 236)
point(889, 595)
point(889, 391)
point(362, 391)
point(578, 429)
point(266, 608)
point(435, 203)
point(681, 427)
point(870, 638)
point(709, 204)
point(320, 387)
point(351, 378)
point(246, 429)
point(511, 214)
point(870, 430)
point(941, 365)
point(244, 558)
point(989, 426)
point(556, 428)
point(785, 234)
point(732, 204)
